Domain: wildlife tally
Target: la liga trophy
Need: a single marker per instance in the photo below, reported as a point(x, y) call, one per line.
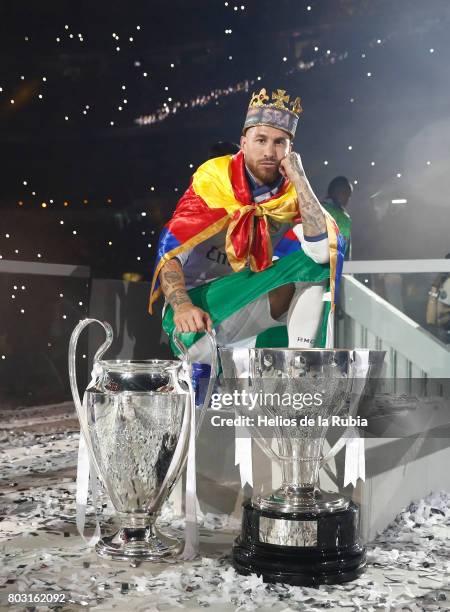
point(298, 534)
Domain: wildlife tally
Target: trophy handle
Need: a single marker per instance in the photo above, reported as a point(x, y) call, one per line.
point(82, 416)
point(213, 375)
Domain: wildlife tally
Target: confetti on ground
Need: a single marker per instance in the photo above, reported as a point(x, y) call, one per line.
point(408, 564)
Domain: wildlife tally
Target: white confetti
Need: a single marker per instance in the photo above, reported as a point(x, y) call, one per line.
point(42, 552)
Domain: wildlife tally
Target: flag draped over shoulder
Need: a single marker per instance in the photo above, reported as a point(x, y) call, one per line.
point(219, 198)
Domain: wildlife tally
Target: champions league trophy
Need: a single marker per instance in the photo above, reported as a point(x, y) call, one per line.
point(137, 419)
point(298, 534)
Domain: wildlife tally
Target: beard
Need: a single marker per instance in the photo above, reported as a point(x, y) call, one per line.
point(265, 174)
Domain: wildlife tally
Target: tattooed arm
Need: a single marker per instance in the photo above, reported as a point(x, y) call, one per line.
point(186, 317)
point(312, 216)
point(173, 285)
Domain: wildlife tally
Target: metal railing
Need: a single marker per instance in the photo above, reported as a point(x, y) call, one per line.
point(367, 320)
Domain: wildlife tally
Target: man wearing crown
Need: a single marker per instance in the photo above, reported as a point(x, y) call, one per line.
point(249, 250)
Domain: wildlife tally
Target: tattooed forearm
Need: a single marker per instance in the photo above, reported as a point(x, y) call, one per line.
point(173, 285)
point(177, 297)
point(172, 277)
point(311, 213)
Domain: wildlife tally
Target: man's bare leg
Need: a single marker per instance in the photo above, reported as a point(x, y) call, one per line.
point(280, 299)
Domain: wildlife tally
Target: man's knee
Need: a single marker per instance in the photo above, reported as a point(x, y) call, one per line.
point(280, 299)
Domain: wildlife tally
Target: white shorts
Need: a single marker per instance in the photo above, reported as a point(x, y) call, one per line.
point(240, 329)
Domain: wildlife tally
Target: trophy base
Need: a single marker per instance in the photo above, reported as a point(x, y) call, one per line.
point(300, 548)
point(290, 500)
point(138, 544)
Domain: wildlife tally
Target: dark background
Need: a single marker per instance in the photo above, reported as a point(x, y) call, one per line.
point(95, 188)
point(398, 118)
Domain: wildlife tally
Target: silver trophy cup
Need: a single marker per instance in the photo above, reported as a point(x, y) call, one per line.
point(136, 418)
point(299, 534)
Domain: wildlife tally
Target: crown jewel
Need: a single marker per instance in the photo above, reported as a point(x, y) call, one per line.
point(275, 111)
point(280, 101)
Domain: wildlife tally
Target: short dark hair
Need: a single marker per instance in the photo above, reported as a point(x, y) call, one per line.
point(339, 183)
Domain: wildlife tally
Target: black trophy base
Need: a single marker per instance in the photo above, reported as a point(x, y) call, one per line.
point(301, 549)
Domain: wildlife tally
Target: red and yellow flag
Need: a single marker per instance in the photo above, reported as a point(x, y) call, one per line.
point(219, 198)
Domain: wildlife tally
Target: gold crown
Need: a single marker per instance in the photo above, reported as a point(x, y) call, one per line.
point(280, 101)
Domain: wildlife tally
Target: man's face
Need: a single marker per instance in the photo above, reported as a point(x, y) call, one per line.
point(264, 147)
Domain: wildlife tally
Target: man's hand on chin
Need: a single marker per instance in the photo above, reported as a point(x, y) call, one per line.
point(189, 318)
point(291, 167)
point(313, 219)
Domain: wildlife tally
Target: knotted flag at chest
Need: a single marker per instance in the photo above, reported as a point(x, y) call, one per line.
point(219, 198)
